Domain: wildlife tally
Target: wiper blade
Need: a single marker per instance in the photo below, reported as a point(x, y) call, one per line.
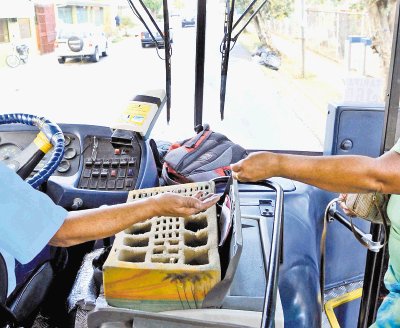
point(167, 43)
point(250, 18)
point(226, 43)
point(139, 16)
point(225, 49)
point(167, 47)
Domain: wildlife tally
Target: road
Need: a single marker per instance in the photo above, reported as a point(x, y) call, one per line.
point(259, 111)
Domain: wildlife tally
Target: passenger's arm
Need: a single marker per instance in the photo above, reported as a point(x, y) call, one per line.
point(345, 174)
point(92, 224)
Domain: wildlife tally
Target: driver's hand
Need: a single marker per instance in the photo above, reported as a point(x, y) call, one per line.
point(254, 167)
point(171, 204)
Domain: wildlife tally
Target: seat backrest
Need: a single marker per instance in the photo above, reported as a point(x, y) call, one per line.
point(6, 316)
point(3, 280)
point(25, 301)
point(23, 304)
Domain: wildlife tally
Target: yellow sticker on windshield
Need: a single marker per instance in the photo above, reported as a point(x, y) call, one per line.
point(135, 113)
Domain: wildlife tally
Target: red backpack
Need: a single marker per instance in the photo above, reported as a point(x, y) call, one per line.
point(203, 157)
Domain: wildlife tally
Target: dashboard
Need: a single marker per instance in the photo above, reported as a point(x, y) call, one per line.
point(93, 171)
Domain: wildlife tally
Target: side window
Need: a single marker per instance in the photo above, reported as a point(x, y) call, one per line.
point(4, 36)
point(82, 14)
point(24, 28)
point(65, 14)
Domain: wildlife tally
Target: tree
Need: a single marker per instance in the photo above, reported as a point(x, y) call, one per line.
point(381, 14)
point(381, 18)
point(153, 5)
point(273, 9)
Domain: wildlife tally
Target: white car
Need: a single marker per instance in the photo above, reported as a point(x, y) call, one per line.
point(80, 40)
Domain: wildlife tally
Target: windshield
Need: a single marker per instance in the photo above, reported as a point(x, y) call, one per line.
point(286, 67)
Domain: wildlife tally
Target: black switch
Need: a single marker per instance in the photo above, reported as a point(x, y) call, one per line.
point(86, 173)
point(111, 184)
point(84, 183)
point(93, 184)
point(95, 172)
point(128, 183)
point(121, 173)
point(120, 184)
point(102, 184)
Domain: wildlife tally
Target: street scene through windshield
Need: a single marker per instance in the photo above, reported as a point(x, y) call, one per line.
point(279, 82)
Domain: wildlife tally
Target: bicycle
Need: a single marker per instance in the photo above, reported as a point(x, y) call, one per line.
point(20, 53)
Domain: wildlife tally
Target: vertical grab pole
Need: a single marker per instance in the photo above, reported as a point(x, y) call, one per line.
point(200, 54)
point(376, 262)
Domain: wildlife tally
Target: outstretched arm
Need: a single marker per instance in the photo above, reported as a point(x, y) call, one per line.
point(92, 224)
point(346, 174)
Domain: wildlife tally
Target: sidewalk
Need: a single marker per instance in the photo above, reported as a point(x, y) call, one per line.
point(323, 82)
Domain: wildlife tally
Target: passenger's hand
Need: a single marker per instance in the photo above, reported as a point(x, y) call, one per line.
point(342, 203)
point(171, 204)
point(254, 167)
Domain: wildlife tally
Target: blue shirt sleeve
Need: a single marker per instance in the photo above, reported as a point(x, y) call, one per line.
point(28, 218)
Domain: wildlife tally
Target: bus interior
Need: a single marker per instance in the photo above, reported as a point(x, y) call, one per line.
point(272, 274)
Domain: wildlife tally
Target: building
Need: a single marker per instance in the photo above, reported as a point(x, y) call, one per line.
point(17, 25)
point(35, 22)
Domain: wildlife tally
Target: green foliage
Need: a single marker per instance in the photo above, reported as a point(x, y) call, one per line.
point(355, 5)
point(178, 4)
point(274, 9)
point(281, 8)
point(126, 21)
point(153, 5)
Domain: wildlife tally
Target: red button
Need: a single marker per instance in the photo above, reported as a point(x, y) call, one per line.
point(117, 151)
point(113, 173)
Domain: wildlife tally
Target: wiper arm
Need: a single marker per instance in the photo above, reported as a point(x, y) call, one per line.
point(250, 18)
point(139, 16)
point(167, 48)
point(167, 44)
point(225, 49)
point(226, 43)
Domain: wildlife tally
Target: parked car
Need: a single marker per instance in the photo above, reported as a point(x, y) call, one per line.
point(188, 20)
point(82, 40)
point(147, 40)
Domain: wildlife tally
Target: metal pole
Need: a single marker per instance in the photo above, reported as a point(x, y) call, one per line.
point(376, 262)
point(200, 53)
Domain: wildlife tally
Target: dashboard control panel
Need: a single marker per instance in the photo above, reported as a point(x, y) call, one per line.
point(109, 168)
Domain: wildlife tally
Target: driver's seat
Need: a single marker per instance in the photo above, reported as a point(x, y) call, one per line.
point(22, 306)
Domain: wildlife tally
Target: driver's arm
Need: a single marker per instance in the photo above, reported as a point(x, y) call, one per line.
point(92, 224)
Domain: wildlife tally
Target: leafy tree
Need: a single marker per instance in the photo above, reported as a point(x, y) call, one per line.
point(153, 5)
point(178, 4)
point(381, 14)
point(273, 9)
point(381, 17)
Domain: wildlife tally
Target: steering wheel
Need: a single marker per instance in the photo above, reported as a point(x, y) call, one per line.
point(50, 135)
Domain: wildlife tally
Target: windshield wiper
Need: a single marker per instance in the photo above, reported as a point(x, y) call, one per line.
point(168, 53)
point(225, 47)
point(167, 43)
